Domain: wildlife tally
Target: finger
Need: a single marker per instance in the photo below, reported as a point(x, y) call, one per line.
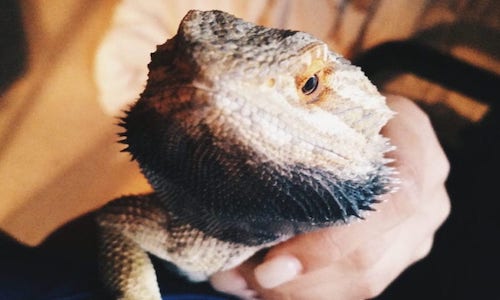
point(349, 278)
point(230, 282)
point(238, 281)
point(367, 271)
point(331, 244)
point(377, 269)
point(314, 251)
point(376, 263)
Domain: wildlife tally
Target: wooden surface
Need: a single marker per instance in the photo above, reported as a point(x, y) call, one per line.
point(58, 156)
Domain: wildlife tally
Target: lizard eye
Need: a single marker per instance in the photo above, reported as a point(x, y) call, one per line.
point(310, 86)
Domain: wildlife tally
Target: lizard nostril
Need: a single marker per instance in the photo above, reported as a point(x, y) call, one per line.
point(311, 84)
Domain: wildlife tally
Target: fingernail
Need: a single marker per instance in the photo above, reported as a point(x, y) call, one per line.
point(229, 282)
point(277, 270)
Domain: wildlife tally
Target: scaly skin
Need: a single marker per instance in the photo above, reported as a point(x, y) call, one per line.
point(249, 136)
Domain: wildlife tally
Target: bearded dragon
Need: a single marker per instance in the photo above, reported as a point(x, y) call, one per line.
point(248, 135)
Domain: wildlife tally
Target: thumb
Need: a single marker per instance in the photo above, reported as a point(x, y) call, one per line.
point(252, 278)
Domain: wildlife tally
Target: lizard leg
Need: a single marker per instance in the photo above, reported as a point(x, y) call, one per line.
point(125, 267)
point(133, 226)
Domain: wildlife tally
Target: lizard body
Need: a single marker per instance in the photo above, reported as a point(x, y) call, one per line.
point(248, 135)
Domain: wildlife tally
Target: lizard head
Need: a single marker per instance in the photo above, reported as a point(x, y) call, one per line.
point(263, 129)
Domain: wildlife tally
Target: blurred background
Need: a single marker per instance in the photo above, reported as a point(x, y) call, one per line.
point(68, 67)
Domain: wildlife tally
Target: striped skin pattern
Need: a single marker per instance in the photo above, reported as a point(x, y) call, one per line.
point(248, 135)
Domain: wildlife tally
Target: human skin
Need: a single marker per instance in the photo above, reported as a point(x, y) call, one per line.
point(360, 260)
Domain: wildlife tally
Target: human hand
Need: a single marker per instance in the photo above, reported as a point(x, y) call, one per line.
point(360, 260)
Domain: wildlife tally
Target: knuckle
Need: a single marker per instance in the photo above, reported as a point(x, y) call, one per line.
point(446, 167)
point(424, 249)
point(438, 164)
point(369, 287)
point(439, 207)
point(444, 208)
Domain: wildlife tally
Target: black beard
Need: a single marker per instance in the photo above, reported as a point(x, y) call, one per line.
point(227, 193)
